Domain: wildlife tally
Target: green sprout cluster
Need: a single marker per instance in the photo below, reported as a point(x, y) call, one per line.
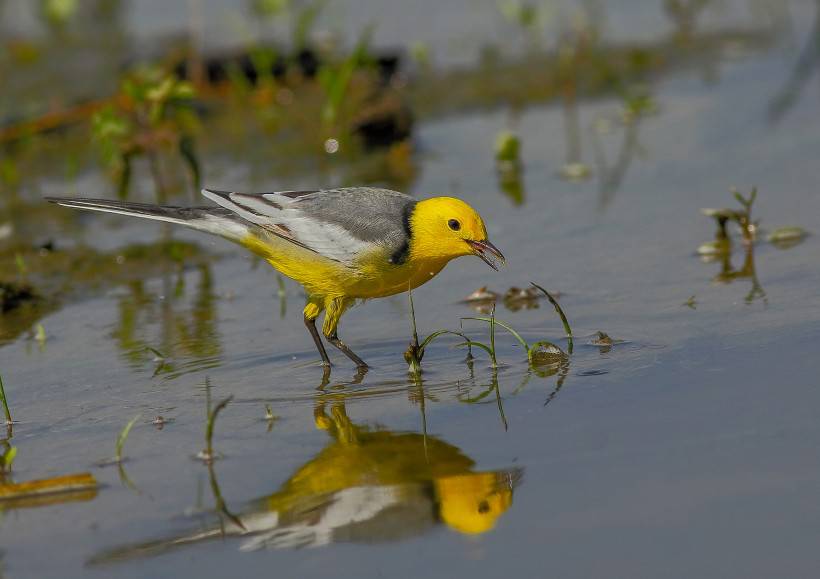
point(540, 353)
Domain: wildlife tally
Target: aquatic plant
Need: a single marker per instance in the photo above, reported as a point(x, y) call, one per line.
point(496, 390)
point(526, 16)
point(508, 166)
point(335, 79)
point(507, 147)
point(20, 263)
point(5, 403)
point(539, 352)
point(208, 455)
point(534, 351)
point(40, 335)
point(269, 8)
point(748, 228)
point(57, 13)
point(560, 313)
point(151, 115)
point(160, 359)
point(270, 417)
point(304, 23)
point(786, 237)
point(638, 102)
point(7, 458)
point(122, 437)
point(415, 351)
point(742, 217)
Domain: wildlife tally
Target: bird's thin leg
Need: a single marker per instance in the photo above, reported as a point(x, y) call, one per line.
point(311, 326)
point(360, 372)
point(334, 339)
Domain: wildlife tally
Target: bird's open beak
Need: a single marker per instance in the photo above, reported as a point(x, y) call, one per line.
point(488, 252)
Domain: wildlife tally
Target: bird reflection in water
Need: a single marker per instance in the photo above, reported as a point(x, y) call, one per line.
point(368, 485)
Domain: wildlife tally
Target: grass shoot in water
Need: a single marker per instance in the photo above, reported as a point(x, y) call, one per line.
point(7, 458)
point(561, 315)
point(208, 454)
point(538, 353)
point(748, 228)
point(5, 403)
point(415, 351)
point(123, 436)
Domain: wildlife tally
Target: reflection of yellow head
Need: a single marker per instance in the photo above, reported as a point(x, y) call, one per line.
point(471, 503)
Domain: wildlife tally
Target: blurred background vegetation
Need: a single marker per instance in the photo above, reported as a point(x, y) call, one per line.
point(149, 101)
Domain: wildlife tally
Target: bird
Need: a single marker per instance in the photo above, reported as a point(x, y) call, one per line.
point(342, 245)
point(369, 484)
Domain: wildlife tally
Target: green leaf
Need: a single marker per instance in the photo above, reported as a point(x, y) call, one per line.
point(124, 435)
point(561, 315)
point(5, 402)
point(504, 325)
point(437, 334)
point(8, 457)
point(471, 343)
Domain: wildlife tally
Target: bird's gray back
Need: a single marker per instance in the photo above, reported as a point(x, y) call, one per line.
point(368, 213)
point(340, 224)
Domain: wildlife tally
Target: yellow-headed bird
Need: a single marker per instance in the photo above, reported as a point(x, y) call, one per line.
point(342, 245)
point(368, 485)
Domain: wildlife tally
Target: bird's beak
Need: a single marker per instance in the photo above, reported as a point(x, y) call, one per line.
point(488, 252)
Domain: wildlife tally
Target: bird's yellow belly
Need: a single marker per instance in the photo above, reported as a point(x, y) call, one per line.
point(385, 279)
point(371, 277)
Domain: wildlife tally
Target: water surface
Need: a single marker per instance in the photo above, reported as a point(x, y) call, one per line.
point(688, 450)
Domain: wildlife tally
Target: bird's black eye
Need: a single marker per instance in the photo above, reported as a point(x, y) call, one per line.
point(454, 224)
point(483, 507)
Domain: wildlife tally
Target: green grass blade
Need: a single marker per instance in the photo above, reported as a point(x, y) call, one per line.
point(8, 458)
point(5, 402)
point(439, 333)
point(507, 327)
point(124, 435)
point(473, 344)
point(561, 314)
point(209, 428)
point(492, 336)
point(477, 399)
point(499, 404)
point(413, 320)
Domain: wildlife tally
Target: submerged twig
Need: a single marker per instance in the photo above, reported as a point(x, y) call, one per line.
point(61, 484)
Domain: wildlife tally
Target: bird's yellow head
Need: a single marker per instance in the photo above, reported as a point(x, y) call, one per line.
point(471, 503)
point(445, 228)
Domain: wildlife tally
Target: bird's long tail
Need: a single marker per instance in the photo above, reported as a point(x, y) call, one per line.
point(215, 220)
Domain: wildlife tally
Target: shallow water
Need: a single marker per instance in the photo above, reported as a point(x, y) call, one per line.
point(688, 450)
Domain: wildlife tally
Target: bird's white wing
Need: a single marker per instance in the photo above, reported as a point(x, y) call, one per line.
point(339, 224)
point(345, 507)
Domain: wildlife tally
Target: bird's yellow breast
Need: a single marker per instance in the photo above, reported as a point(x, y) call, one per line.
point(371, 276)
